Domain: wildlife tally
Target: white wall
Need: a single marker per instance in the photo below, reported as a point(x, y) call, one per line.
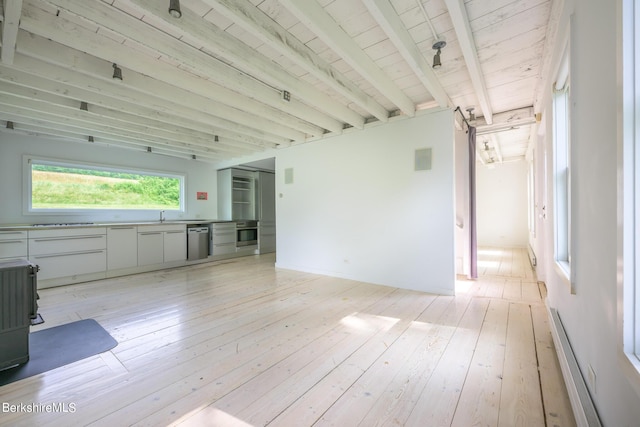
point(501, 205)
point(199, 177)
point(590, 316)
point(357, 209)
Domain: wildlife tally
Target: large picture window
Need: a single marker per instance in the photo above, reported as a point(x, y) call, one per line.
point(62, 186)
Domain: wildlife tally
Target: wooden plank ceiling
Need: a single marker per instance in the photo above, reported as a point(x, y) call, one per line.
point(234, 77)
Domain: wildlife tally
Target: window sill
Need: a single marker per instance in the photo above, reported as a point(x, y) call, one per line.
point(563, 268)
point(631, 370)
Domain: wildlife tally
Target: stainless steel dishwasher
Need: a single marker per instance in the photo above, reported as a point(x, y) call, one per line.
point(197, 242)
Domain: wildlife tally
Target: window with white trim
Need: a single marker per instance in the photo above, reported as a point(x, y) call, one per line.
point(562, 170)
point(629, 193)
point(56, 186)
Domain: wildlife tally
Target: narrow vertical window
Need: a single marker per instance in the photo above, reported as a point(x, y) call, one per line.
point(562, 176)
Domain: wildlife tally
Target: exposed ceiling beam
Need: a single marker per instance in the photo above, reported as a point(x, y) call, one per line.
point(506, 117)
point(69, 34)
point(237, 53)
point(253, 20)
point(10, 25)
point(460, 20)
point(159, 79)
point(311, 14)
point(56, 79)
point(386, 16)
point(49, 106)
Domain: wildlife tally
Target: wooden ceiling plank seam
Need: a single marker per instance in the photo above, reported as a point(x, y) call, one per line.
point(118, 110)
point(320, 22)
point(155, 80)
point(386, 16)
point(245, 58)
point(97, 122)
point(116, 96)
point(460, 20)
point(10, 25)
point(258, 23)
point(76, 37)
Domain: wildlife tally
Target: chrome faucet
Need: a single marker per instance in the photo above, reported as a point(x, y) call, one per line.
point(161, 216)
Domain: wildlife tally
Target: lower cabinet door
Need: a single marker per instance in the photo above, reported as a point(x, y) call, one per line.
point(70, 264)
point(150, 248)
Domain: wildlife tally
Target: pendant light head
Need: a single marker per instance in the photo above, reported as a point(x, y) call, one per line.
point(117, 72)
point(174, 8)
point(438, 45)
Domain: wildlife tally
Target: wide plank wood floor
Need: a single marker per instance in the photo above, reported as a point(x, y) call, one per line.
point(241, 343)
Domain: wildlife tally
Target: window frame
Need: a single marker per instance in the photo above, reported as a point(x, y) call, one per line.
point(29, 160)
point(562, 171)
point(629, 194)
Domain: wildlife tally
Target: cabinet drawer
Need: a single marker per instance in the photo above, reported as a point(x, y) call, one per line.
point(224, 248)
point(225, 236)
point(70, 264)
point(60, 245)
point(12, 235)
point(16, 248)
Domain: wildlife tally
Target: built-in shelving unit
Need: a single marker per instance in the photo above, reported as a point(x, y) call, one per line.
point(236, 194)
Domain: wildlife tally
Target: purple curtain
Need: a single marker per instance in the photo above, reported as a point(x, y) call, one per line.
point(473, 242)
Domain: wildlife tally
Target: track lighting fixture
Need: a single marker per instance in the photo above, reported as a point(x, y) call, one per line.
point(438, 45)
point(174, 8)
point(117, 72)
point(9, 125)
point(472, 115)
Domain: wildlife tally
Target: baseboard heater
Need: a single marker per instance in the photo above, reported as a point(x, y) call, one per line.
point(532, 256)
point(581, 403)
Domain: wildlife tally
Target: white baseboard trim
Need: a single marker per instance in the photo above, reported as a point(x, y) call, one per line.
point(583, 408)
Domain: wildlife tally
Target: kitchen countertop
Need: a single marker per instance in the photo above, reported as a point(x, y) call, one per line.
point(105, 224)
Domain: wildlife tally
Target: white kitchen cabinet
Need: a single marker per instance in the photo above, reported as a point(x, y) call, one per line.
point(122, 247)
point(150, 247)
point(13, 244)
point(158, 244)
point(175, 245)
point(68, 252)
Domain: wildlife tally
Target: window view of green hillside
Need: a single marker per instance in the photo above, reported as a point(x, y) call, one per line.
point(56, 187)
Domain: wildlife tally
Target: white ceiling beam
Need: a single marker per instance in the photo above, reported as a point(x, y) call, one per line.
point(460, 20)
point(213, 38)
point(92, 123)
point(138, 84)
point(164, 116)
point(311, 14)
point(52, 123)
point(10, 25)
point(386, 16)
point(48, 130)
point(69, 34)
point(120, 120)
point(256, 22)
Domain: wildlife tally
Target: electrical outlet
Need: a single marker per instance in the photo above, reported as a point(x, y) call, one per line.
point(591, 377)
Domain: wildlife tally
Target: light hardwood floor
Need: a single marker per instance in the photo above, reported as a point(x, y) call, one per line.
point(240, 343)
